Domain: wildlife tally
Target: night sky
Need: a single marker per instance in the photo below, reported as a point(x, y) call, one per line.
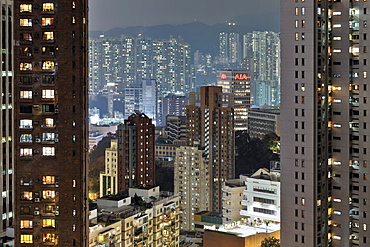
point(108, 14)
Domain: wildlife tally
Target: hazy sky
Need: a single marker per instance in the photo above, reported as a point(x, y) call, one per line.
point(108, 14)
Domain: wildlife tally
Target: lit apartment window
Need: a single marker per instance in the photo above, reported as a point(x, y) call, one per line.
point(48, 179)
point(26, 195)
point(48, 65)
point(25, 66)
point(303, 11)
point(48, 137)
point(48, 7)
point(48, 94)
point(25, 94)
point(26, 152)
point(296, 11)
point(48, 194)
point(48, 238)
point(49, 122)
point(48, 223)
point(26, 239)
point(25, 8)
point(25, 22)
point(47, 21)
point(48, 151)
point(26, 124)
point(48, 35)
point(26, 138)
point(26, 224)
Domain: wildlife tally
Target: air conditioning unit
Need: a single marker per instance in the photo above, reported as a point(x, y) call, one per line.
point(56, 184)
point(37, 200)
point(35, 93)
point(36, 151)
point(56, 140)
point(35, 106)
point(51, 53)
point(36, 212)
point(38, 140)
point(56, 212)
point(56, 110)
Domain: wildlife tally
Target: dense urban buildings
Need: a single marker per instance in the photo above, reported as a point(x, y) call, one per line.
point(136, 152)
point(324, 130)
point(50, 118)
point(210, 124)
point(237, 82)
point(261, 53)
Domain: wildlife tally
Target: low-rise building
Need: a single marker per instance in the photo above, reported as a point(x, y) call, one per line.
point(231, 199)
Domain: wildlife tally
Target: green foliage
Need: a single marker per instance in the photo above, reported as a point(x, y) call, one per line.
point(164, 176)
point(270, 242)
point(253, 153)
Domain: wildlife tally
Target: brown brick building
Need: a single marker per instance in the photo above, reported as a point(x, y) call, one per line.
point(210, 125)
point(50, 116)
point(136, 152)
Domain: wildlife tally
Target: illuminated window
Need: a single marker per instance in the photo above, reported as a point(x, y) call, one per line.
point(25, 66)
point(48, 179)
point(48, 151)
point(26, 138)
point(48, 137)
point(297, 11)
point(25, 22)
point(25, 7)
point(337, 38)
point(26, 124)
point(47, 21)
point(26, 239)
point(364, 74)
point(296, 24)
point(25, 94)
point(303, 11)
point(48, 35)
point(48, 65)
point(26, 152)
point(49, 122)
point(303, 23)
point(26, 224)
point(48, 7)
point(48, 94)
point(296, 36)
point(48, 194)
point(48, 238)
point(48, 223)
point(26, 195)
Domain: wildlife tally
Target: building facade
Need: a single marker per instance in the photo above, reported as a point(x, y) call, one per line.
point(109, 178)
point(192, 183)
point(210, 124)
point(324, 123)
point(231, 200)
point(136, 152)
point(263, 121)
point(50, 112)
point(237, 82)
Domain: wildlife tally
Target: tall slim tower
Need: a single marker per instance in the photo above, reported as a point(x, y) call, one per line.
point(324, 121)
point(50, 123)
point(136, 162)
point(210, 124)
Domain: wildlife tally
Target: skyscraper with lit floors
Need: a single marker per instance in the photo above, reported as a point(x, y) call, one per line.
point(50, 123)
point(324, 119)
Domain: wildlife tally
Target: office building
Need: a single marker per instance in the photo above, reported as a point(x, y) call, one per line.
point(210, 124)
point(192, 183)
point(136, 164)
point(6, 123)
point(109, 178)
point(324, 130)
point(50, 116)
point(263, 121)
point(237, 82)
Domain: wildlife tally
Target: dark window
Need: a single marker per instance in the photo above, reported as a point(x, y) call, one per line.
point(48, 79)
point(26, 109)
point(47, 108)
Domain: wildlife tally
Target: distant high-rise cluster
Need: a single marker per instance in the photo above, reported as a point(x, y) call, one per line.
point(126, 60)
point(230, 49)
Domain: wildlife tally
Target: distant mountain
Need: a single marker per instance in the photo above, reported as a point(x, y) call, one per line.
point(200, 36)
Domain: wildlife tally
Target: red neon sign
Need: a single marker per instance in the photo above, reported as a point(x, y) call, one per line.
point(241, 77)
point(223, 76)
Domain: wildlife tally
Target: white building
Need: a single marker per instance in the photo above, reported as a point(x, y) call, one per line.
point(261, 197)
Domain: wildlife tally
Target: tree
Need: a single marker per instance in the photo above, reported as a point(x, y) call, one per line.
point(270, 242)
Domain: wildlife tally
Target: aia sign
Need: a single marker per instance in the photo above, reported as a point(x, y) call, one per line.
point(223, 76)
point(241, 77)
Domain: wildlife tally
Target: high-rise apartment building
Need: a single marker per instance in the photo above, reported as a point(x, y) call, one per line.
point(6, 122)
point(229, 49)
point(324, 121)
point(109, 178)
point(173, 104)
point(50, 117)
point(237, 82)
point(136, 152)
point(210, 124)
point(261, 54)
